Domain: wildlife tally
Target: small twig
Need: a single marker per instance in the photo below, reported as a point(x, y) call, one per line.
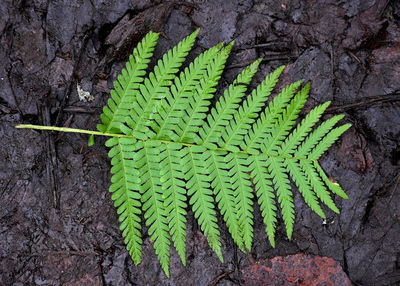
point(51, 159)
point(264, 45)
point(66, 124)
point(277, 58)
point(79, 109)
point(183, 3)
point(251, 258)
point(357, 59)
point(216, 280)
point(392, 98)
point(13, 93)
point(332, 54)
point(382, 7)
point(71, 252)
point(67, 252)
point(394, 188)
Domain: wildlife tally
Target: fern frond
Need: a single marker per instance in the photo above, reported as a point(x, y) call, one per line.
point(174, 194)
point(238, 166)
point(301, 181)
point(265, 194)
point(226, 106)
point(334, 187)
point(198, 105)
point(177, 98)
point(319, 188)
point(224, 196)
point(148, 162)
point(170, 150)
point(265, 123)
point(277, 170)
point(202, 201)
point(327, 142)
point(247, 113)
point(284, 123)
point(154, 88)
point(304, 149)
point(305, 126)
point(120, 104)
point(125, 187)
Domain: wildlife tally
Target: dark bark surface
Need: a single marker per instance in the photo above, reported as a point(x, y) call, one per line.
point(57, 222)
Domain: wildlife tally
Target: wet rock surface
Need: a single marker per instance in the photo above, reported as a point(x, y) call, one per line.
point(57, 223)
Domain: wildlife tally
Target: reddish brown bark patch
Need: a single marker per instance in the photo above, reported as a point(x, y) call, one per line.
point(298, 269)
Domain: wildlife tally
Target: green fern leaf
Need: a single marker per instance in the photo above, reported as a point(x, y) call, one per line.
point(224, 195)
point(154, 88)
point(241, 122)
point(301, 181)
point(174, 196)
point(316, 136)
point(125, 186)
point(334, 187)
point(296, 137)
point(237, 164)
point(327, 142)
point(120, 104)
point(170, 151)
point(226, 106)
point(177, 98)
point(265, 194)
point(319, 188)
point(285, 121)
point(198, 105)
point(281, 181)
point(148, 162)
point(202, 202)
point(265, 123)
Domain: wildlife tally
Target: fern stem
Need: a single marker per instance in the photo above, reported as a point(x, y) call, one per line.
point(74, 130)
point(71, 130)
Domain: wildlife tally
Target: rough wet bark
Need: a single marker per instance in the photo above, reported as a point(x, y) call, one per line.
point(58, 226)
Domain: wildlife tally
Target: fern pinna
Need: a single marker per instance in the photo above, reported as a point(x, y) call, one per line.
point(171, 148)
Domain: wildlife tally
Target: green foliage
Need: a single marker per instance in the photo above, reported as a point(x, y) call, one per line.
point(184, 151)
point(171, 148)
